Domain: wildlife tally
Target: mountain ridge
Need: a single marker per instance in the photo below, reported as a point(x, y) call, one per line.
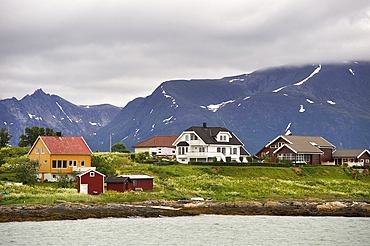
point(329, 100)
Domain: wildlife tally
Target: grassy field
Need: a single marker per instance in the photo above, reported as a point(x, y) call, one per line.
point(220, 183)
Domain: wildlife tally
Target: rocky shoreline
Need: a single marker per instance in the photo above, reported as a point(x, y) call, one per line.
point(74, 211)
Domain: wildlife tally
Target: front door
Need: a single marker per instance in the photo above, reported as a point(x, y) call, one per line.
point(83, 188)
point(126, 186)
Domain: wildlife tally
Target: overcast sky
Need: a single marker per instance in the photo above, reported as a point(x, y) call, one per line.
point(94, 52)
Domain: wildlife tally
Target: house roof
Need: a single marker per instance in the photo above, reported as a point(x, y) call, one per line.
point(116, 180)
point(157, 141)
point(209, 134)
point(133, 177)
point(64, 145)
point(244, 151)
point(303, 144)
point(349, 153)
point(88, 171)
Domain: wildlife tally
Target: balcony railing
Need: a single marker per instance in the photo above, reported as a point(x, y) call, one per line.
point(82, 169)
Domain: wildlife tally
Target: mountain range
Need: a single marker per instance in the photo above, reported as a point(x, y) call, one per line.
point(328, 100)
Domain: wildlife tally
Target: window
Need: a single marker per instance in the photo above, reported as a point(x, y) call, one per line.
point(224, 151)
point(70, 163)
point(59, 164)
point(37, 151)
point(64, 164)
point(75, 163)
point(186, 137)
point(367, 160)
point(231, 151)
point(134, 182)
point(54, 164)
point(280, 144)
point(201, 149)
point(235, 151)
point(45, 161)
point(82, 163)
point(218, 149)
point(225, 138)
point(92, 174)
point(42, 150)
point(303, 158)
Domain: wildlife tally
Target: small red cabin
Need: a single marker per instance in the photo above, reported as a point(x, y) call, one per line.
point(124, 183)
point(90, 182)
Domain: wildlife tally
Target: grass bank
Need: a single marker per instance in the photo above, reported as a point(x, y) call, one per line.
point(220, 183)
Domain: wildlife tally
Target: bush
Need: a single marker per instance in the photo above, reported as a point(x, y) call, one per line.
point(228, 158)
point(102, 165)
point(25, 169)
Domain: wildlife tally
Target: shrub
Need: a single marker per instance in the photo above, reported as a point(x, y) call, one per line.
point(228, 158)
point(25, 169)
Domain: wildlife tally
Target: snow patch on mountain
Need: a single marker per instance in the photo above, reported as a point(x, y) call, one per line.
point(351, 71)
point(151, 111)
point(277, 90)
point(246, 98)
point(215, 107)
point(308, 100)
point(287, 128)
point(93, 123)
point(136, 131)
point(64, 112)
point(168, 120)
point(302, 109)
point(232, 80)
point(174, 104)
point(317, 70)
point(331, 102)
point(152, 127)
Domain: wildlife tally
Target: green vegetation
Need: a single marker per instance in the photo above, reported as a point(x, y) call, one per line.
point(4, 137)
point(31, 135)
point(222, 183)
point(120, 147)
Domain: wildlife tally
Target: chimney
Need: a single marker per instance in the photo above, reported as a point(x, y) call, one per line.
point(204, 124)
point(59, 134)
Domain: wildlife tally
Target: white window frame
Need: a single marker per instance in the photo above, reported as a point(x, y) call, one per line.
point(42, 150)
point(92, 174)
point(37, 150)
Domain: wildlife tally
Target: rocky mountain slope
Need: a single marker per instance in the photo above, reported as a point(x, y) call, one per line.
point(45, 110)
point(328, 100)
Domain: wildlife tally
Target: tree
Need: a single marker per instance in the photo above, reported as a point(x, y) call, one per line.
point(25, 169)
point(120, 147)
point(4, 138)
point(31, 134)
point(102, 165)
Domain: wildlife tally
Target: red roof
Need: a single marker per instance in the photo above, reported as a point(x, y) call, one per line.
point(157, 141)
point(66, 145)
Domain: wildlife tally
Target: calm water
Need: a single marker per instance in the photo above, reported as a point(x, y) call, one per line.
point(199, 230)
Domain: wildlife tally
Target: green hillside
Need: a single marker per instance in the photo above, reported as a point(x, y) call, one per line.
point(221, 183)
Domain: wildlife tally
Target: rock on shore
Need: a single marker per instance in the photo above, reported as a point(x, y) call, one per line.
point(73, 211)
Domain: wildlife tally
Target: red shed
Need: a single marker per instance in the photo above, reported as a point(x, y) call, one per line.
point(124, 183)
point(90, 182)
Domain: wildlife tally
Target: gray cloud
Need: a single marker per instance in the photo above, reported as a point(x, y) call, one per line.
point(92, 52)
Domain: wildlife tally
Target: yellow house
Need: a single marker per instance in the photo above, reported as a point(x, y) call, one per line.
point(60, 155)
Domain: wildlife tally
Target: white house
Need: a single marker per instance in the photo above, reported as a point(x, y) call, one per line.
point(202, 144)
point(161, 145)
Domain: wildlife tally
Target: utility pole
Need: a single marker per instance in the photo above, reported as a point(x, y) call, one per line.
point(110, 145)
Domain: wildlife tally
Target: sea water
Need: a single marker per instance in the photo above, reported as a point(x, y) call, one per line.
point(196, 230)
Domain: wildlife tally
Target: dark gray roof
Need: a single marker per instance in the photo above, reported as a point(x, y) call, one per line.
point(348, 153)
point(116, 180)
point(244, 151)
point(208, 135)
point(183, 143)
